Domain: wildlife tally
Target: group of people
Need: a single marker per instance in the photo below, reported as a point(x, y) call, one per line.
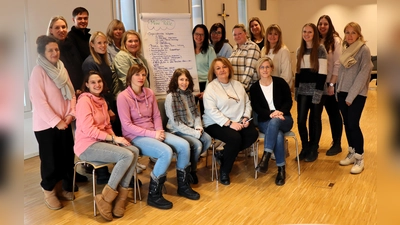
point(97, 85)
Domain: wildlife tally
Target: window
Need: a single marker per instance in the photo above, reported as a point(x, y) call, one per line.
point(126, 12)
point(197, 12)
point(242, 9)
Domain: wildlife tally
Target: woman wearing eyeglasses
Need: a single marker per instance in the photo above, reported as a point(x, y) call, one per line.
point(227, 113)
point(218, 40)
point(204, 54)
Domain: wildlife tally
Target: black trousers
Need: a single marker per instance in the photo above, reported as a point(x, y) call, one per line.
point(56, 156)
point(235, 141)
point(351, 117)
point(202, 86)
point(335, 118)
point(305, 108)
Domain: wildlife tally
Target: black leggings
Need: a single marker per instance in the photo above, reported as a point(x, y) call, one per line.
point(335, 119)
point(310, 138)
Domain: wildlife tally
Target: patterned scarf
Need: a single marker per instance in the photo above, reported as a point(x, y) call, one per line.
point(179, 109)
point(58, 74)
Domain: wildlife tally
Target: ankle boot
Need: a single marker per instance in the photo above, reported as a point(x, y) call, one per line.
point(51, 200)
point(62, 194)
point(224, 178)
point(281, 176)
point(350, 159)
point(262, 167)
point(155, 197)
point(312, 155)
point(104, 202)
point(358, 166)
point(303, 153)
point(184, 188)
point(120, 202)
point(334, 149)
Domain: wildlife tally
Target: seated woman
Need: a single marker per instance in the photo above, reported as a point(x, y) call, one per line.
point(141, 124)
point(96, 141)
point(184, 118)
point(272, 101)
point(226, 115)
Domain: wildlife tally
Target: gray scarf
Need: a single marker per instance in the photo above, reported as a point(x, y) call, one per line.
point(59, 76)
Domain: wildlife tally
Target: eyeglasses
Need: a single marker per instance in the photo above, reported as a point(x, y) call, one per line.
point(198, 35)
point(231, 97)
point(216, 32)
point(264, 67)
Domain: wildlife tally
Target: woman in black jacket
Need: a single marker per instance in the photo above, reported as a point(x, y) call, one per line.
point(271, 100)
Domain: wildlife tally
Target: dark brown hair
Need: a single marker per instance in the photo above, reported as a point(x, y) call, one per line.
point(220, 43)
point(329, 39)
point(86, 80)
point(173, 83)
point(42, 41)
point(279, 44)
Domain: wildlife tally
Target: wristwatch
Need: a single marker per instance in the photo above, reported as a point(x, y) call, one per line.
point(331, 84)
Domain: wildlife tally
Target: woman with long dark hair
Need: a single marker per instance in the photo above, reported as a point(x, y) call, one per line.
point(218, 40)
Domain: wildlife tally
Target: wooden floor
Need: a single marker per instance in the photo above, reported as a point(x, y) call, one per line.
point(324, 193)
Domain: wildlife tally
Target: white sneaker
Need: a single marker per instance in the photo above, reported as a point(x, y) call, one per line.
point(349, 158)
point(358, 166)
point(143, 167)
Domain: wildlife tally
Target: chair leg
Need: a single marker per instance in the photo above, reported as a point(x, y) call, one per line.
point(297, 155)
point(255, 158)
point(214, 168)
point(94, 191)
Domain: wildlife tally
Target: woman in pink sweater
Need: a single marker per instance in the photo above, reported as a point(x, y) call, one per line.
point(141, 124)
point(96, 141)
point(53, 100)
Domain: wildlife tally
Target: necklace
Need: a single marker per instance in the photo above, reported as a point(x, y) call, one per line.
point(237, 99)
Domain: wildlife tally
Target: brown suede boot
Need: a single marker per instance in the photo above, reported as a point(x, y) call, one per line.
point(104, 202)
point(51, 199)
point(120, 202)
point(62, 194)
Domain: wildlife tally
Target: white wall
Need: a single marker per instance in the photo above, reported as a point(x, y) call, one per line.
point(293, 14)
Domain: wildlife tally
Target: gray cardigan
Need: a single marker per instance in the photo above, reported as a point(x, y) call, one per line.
point(355, 79)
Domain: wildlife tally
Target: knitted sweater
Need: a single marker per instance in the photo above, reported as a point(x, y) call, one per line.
point(282, 63)
point(355, 79)
point(219, 108)
point(193, 123)
point(308, 82)
point(48, 103)
point(225, 51)
point(92, 122)
point(139, 114)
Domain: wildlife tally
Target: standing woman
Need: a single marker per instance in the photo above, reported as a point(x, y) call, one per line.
point(276, 50)
point(96, 141)
point(69, 53)
point(272, 101)
point(352, 88)
point(53, 100)
point(184, 118)
point(218, 40)
point(226, 115)
point(204, 54)
point(130, 54)
point(142, 126)
point(333, 45)
point(257, 31)
point(115, 30)
point(309, 86)
point(244, 57)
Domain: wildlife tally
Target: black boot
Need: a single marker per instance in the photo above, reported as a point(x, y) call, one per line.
point(224, 178)
point(313, 155)
point(184, 188)
point(281, 176)
point(195, 179)
point(335, 149)
point(262, 167)
point(305, 151)
point(155, 197)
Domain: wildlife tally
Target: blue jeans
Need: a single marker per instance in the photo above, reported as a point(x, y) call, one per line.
point(197, 146)
point(125, 158)
point(274, 140)
point(162, 151)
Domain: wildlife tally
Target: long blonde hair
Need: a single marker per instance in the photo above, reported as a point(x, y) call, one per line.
point(96, 56)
